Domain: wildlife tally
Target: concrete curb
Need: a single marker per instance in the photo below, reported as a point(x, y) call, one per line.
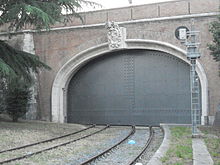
point(155, 160)
point(201, 155)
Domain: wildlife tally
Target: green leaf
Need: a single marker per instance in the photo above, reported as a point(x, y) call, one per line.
point(42, 17)
point(40, 13)
point(215, 46)
point(6, 70)
point(19, 63)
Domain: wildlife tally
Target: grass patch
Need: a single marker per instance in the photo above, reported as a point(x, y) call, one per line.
point(212, 140)
point(180, 151)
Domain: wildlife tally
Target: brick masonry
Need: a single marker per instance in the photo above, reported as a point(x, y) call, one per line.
point(152, 22)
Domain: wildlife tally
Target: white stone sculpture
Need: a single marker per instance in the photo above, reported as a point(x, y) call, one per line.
point(116, 36)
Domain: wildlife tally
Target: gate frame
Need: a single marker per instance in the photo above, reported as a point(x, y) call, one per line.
point(65, 74)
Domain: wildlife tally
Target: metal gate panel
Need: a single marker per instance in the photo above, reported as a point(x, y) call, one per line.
point(161, 89)
point(131, 87)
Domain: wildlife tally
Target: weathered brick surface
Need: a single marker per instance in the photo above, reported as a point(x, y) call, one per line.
point(164, 9)
point(96, 17)
point(205, 6)
point(145, 11)
point(217, 119)
point(174, 8)
point(118, 15)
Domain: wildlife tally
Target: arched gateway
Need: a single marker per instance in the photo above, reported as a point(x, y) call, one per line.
point(146, 83)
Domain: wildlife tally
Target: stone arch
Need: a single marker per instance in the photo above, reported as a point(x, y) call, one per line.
point(60, 84)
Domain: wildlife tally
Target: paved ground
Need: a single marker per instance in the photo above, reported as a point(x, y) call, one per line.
point(201, 155)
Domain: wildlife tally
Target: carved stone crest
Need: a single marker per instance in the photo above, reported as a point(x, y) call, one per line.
point(116, 35)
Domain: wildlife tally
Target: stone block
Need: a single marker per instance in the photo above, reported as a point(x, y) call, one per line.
point(173, 8)
point(70, 21)
point(146, 11)
point(204, 6)
point(96, 17)
point(74, 21)
point(118, 15)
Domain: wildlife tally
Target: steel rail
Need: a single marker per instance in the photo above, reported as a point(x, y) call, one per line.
point(48, 140)
point(145, 148)
point(50, 148)
point(109, 149)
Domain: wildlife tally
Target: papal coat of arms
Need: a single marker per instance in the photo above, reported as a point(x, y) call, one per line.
point(116, 35)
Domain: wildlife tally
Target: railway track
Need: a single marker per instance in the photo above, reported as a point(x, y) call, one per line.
point(109, 149)
point(45, 141)
point(150, 147)
point(48, 141)
point(102, 158)
point(112, 150)
point(149, 140)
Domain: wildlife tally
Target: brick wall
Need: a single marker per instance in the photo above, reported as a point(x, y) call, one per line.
point(164, 9)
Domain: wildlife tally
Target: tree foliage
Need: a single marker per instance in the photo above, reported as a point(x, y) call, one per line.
point(215, 46)
point(2, 92)
point(16, 66)
point(40, 14)
point(15, 62)
point(17, 96)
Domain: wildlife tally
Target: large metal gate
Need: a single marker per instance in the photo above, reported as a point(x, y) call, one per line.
point(131, 87)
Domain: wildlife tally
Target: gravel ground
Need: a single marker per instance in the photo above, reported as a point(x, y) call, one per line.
point(155, 144)
point(79, 151)
point(22, 133)
point(26, 132)
point(35, 148)
point(126, 152)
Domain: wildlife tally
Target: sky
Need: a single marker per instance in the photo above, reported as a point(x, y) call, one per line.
point(122, 3)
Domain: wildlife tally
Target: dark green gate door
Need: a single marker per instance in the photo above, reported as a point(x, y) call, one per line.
point(131, 87)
